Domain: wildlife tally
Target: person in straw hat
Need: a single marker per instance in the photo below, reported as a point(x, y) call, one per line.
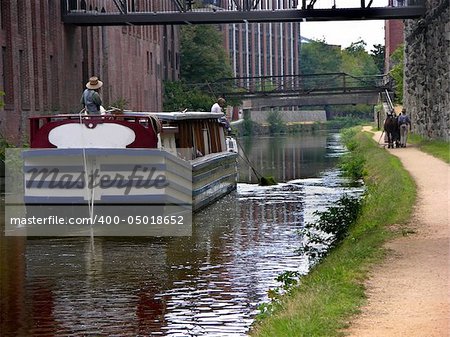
point(91, 99)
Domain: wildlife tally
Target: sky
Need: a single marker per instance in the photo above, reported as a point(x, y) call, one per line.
point(345, 32)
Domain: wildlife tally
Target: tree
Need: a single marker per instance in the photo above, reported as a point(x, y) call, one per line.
point(203, 58)
point(319, 57)
point(397, 72)
point(357, 47)
point(377, 54)
point(276, 123)
point(356, 61)
point(179, 96)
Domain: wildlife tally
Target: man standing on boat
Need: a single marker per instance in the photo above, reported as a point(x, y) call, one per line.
point(91, 99)
point(217, 108)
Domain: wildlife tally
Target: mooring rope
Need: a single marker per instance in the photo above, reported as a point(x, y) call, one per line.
point(90, 191)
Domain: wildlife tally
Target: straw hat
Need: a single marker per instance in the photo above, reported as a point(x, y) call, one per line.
point(94, 83)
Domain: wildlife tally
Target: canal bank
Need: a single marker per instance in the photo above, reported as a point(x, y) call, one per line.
point(408, 293)
point(335, 290)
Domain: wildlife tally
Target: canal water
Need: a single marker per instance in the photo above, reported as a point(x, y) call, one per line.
point(209, 284)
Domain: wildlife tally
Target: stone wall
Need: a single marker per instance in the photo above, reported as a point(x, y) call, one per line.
point(301, 116)
point(426, 82)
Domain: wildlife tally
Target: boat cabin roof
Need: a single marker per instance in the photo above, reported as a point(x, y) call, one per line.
point(178, 116)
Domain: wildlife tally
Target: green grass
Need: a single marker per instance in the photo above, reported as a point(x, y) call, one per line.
point(437, 148)
point(333, 291)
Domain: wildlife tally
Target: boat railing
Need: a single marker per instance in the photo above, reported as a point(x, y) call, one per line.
point(144, 126)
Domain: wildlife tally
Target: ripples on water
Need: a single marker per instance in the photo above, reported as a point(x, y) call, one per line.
point(209, 284)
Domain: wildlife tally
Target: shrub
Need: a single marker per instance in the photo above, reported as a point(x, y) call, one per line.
point(330, 228)
point(276, 123)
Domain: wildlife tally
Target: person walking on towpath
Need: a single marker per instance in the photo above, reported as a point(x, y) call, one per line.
point(404, 124)
point(91, 99)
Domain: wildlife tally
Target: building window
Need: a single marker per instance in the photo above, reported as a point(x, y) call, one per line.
point(1, 16)
point(24, 87)
point(7, 84)
point(151, 63)
point(21, 15)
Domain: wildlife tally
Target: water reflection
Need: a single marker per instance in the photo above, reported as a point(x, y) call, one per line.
point(209, 284)
point(288, 157)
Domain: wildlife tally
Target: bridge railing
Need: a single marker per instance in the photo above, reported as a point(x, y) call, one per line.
point(288, 85)
point(149, 6)
point(149, 12)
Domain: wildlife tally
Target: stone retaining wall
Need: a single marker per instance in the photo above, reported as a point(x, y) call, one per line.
point(302, 116)
point(426, 82)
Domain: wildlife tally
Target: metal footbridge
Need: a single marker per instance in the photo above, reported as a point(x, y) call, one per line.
point(304, 90)
point(173, 12)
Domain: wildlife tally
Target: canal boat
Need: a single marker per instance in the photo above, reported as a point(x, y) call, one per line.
point(181, 158)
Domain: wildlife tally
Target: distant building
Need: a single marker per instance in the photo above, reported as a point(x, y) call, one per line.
point(393, 36)
point(262, 49)
point(45, 64)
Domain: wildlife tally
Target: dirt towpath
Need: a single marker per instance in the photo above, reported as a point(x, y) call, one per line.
point(409, 294)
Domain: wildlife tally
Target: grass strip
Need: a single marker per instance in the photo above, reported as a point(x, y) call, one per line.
point(333, 291)
point(437, 148)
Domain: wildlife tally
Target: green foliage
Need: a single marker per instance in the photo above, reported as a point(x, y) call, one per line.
point(247, 127)
point(345, 122)
point(356, 61)
point(357, 47)
point(120, 103)
point(276, 123)
point(319, 57)
point(267, 181)
point(330, 228)
point(358, 112)
point(179, 96)
point(352, 164)
point(397, 73)
point(334, 223)
point(203, 58)
point(4, 144)
point(348, 138)
point(377, 54)
point(266, 86)
point(2, 104)
point(288, 280)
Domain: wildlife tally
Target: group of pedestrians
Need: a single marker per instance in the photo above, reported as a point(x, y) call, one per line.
point(396, 129)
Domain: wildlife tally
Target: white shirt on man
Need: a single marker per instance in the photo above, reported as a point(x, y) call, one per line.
point(216, 108)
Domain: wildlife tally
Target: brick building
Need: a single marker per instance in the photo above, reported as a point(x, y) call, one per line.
point(263, 49)
point(45, 64)
point(393, 36)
